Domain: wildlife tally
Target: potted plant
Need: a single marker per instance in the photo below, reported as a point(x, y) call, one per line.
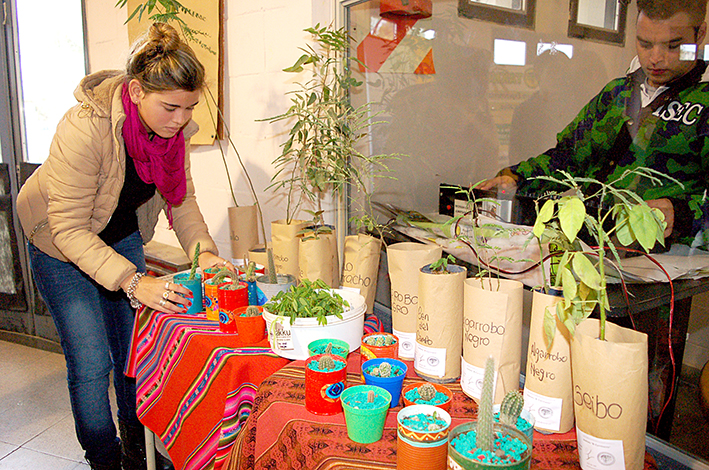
point(193, 282)
point(249, 323)
point(427, 394)
point(321, 156)
point(439, 335)
point(310, 311)
point(485, 444)
point(422, 436)
point(581, 276)
point(366, 408)
point(325, 380)
point(386, 373)
point(379, 344)
point(317, 252)
point(332, 346)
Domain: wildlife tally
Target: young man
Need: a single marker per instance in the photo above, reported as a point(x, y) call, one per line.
point(656, 116)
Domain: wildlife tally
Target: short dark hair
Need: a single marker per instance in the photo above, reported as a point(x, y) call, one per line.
point(664, 9)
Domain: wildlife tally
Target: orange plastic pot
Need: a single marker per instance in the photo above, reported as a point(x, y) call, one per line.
point(250, 329)
point(368, 351)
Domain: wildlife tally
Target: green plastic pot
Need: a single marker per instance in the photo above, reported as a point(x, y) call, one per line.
point(365, 425)
point(314, 346)
point(469, 464)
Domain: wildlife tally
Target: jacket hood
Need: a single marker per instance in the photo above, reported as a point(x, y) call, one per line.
point(97, 90)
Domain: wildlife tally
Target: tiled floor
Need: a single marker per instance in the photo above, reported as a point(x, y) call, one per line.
point(36, 426)
point(37, 431)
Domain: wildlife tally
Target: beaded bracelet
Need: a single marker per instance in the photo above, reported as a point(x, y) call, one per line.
point(130, 292)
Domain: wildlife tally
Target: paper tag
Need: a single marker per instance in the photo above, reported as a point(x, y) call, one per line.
point(431, 361)
point(280, 335)
point(407, 344)
point(546, 410)
point(453, 465)
point(599, 454)
point(471, 379)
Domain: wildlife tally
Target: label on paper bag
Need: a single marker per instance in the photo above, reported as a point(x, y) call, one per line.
point(599, 454)
point(471, 380)
point(407, 344)
point(546, 410)
point(431, 361)
point(280, 335)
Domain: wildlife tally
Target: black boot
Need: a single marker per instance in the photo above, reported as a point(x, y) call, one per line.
point(100, 466)
point(133, 449)
point(132, 446)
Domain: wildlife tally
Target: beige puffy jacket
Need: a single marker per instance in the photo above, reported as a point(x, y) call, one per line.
point(70, 198)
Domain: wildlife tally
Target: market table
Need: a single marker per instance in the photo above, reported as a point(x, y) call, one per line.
point(282, 435)
point(195, 384)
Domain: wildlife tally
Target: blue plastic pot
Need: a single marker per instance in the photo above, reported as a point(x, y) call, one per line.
point(392, 385)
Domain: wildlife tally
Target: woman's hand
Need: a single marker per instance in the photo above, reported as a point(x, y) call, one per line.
point(208, 260)
point(164, 296)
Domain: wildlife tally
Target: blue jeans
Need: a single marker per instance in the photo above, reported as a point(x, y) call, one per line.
point(95, 327)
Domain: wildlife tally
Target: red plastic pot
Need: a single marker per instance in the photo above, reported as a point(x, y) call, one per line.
point(229, 301)
point(323, 389)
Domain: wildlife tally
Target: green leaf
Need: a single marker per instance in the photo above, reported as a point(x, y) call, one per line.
point(568, 281)
point(644, 225)
point(571, 216)
point(545, 214)
point(585, 271)
point(549, 327)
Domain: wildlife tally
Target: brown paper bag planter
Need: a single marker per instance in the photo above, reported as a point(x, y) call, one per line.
point(439, 334)
point(547, 386)
point(492, 326)
point(285, 243)
point(243, 231)
point(404, 260)
point(360, 266)
point(317, 255)
point(610, 395)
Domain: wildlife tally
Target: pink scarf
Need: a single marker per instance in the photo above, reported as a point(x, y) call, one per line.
point(157, 160)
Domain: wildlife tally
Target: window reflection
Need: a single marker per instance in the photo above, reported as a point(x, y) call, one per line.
point(511, 4)
point(601, 20)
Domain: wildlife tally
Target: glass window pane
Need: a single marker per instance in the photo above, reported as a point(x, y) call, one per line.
point(51, 49)
point(510, 4)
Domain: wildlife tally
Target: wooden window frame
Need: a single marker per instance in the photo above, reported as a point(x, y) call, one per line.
point(610, 36)
point(503, 16)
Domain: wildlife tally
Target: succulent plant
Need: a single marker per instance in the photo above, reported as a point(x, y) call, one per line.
point(326, 362)
point(384, 369)
point(223, 274)
point(370, 396)
point(328, 348)
point(484, 436)
point(427, 391)
point(511, 408)
point(252, 311)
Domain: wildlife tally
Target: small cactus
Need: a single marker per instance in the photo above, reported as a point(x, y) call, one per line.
point(195, 262)
point(252, 311)
point(427, 391)
point(379, 341)
point(511, 408)
point(250, 273)
point(370, 396)
point(384, 369)
point(484, 436)
point(328, 348)
point(326, 362)
point(223, 274)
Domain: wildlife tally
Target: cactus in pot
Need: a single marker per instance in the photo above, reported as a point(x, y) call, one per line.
point(485, 437)
point(511, 408)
